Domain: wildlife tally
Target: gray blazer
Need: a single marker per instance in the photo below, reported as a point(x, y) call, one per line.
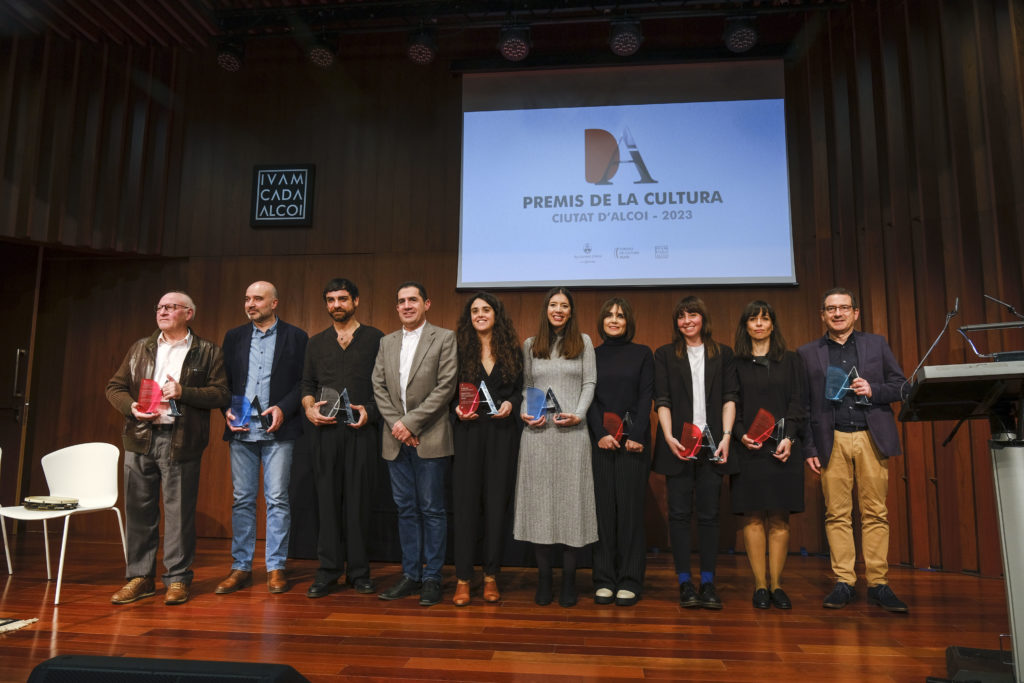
point(431, 387)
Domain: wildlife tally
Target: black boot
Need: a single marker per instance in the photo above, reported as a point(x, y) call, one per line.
point(568, 596)
point(543, 596)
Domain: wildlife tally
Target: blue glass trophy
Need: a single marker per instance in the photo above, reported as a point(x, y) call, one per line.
point(535, 402)
point(242, 410)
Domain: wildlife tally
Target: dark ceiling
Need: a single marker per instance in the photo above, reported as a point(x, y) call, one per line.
point(199, 23)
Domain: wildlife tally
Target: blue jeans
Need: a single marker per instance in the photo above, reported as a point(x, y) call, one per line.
point(417, 485)
point(246, 457)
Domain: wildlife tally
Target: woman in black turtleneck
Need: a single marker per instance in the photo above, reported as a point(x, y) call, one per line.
point(625, 386)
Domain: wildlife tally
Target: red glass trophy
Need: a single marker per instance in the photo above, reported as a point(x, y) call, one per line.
point(762, 427)
point(150, 396)
point(617, 426)
point(469, 398)
point(691, 440)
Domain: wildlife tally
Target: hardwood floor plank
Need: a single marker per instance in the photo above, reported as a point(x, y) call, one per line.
point(347, 636)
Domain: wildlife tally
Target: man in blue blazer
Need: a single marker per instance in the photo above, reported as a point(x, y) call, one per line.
point(263, 363)
point(853, 435)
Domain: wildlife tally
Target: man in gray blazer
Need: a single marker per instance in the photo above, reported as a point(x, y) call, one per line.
point(413, 381)
point(853, 435)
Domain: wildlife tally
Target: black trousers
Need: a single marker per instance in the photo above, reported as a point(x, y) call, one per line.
point(620, 484)
point(483, 474)
point(344, 464)
point(702, 482)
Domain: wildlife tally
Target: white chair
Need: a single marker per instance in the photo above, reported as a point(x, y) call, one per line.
point(85, 471)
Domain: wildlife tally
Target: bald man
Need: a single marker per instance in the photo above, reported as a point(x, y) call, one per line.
point(263, 361)
point(163, 444)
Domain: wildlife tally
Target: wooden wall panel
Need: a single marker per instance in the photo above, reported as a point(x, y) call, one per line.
point(85, 144)
point(905, 137)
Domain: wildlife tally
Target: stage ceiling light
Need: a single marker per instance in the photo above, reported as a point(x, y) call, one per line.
point(322, 53)
point(422, 46)
point(625, 37)
point(230, 55)
point(514, 43)
point(740, 34)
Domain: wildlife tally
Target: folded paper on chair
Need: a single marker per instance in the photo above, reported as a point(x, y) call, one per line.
point(49, 503)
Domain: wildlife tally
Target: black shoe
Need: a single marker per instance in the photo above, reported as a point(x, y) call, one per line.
point(841, 596)
point(431, 593)
point(883, 596)
point(708, 597)
point(780, 599)
point(403, 588)
point(543, 595)
point(604, 596)
point(363, 585)
point(761, 599)
point(688, 595)
point(321, 588)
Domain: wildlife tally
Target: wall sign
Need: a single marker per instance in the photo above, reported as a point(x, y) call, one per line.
point(282, 196)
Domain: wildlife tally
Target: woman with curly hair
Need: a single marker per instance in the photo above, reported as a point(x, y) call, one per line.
point(555, 488)
point(485, 443)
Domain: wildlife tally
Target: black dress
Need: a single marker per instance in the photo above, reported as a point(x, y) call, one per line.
point(764, 482)
point(483, 472)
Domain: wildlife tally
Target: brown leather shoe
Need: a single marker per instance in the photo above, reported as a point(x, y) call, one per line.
point(236, 580)
point(277, 582)
point(461, 598)
point(491, 593)
point(177, 594)
point(136, 589)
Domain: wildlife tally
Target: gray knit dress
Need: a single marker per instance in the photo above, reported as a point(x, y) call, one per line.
point(555, 485)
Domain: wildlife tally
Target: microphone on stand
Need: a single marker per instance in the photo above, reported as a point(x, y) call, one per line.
point(949, 316)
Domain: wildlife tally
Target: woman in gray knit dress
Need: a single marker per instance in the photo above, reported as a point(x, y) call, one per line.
point(555, 487)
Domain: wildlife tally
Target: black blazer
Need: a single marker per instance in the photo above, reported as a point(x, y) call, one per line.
point(875, 363)
point(673, 389)
point(285, 375)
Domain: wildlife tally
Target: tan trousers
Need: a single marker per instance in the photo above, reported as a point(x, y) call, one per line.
point(854, 458)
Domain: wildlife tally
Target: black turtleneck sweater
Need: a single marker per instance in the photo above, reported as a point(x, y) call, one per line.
point(625, 381)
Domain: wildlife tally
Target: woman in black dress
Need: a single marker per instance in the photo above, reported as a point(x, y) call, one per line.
point(625, 385)
point(769, 484)
point(483, 469)
point(695, 383)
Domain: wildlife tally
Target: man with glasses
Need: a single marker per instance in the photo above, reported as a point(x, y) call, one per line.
point(163, 444)
point(852, 378)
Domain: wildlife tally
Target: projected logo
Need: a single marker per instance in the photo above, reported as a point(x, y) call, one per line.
point(604, 155)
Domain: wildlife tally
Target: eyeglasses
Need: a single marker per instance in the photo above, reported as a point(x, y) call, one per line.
point(845, 308)
point(170, 308)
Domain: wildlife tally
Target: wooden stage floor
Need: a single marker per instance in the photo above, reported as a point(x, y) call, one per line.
point(347, 636)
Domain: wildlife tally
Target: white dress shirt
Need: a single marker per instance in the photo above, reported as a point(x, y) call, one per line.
point(410, 340)
point(169, 358)
point(700, 409)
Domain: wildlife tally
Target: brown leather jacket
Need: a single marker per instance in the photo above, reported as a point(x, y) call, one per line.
point(204, 386)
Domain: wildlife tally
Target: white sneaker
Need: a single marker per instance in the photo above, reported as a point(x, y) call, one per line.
point(604, 596)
